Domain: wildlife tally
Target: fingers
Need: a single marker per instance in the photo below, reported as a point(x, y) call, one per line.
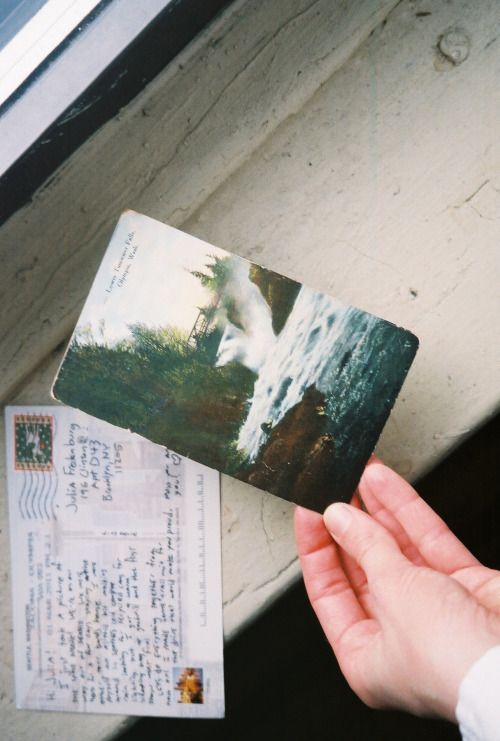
point(365, 540)
point(385, 517)
point(354, 572)
point(398, 502)
point(328, 588)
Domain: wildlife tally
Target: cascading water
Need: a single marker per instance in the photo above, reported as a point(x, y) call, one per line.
point(318, 336)
point(356, 360)
point(251, 345)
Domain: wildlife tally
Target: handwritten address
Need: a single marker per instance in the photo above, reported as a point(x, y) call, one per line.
point(90, 466)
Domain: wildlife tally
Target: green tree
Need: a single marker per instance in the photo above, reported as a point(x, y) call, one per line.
point(155, 384)
point(219, 272)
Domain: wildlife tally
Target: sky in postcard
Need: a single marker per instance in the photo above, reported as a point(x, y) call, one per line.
point(152, 286)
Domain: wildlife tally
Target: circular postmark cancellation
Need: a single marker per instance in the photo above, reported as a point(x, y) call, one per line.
point(33, 436)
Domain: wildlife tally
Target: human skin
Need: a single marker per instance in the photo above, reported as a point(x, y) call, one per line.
point(407, 609)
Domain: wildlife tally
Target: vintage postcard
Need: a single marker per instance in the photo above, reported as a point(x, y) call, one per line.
point(116, 570)
point(233, 365)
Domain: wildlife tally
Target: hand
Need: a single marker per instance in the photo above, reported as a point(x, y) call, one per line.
point(405, 606)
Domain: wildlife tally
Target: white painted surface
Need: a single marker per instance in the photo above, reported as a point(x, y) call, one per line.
point(365, 164)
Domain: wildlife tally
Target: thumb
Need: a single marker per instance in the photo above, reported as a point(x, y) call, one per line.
point(367, 542)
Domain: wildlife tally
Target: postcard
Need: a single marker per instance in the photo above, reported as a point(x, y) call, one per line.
point(116, 571)
point(233, 365)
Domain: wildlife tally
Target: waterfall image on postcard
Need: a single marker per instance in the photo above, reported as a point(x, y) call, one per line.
point(233, 365)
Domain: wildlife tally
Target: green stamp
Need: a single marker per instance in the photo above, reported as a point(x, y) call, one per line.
point(33, 435)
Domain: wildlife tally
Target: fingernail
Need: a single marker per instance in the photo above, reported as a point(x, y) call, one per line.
point(337, 518)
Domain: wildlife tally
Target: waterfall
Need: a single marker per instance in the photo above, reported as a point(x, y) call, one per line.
point(323, 342)
point(318, 337)
point(253, 343)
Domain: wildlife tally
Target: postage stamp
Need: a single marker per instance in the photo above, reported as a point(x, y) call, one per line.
point(189, 683)
point(33, 434)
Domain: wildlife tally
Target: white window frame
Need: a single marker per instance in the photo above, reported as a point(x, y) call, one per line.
point(69, 74)
point(38, 38)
